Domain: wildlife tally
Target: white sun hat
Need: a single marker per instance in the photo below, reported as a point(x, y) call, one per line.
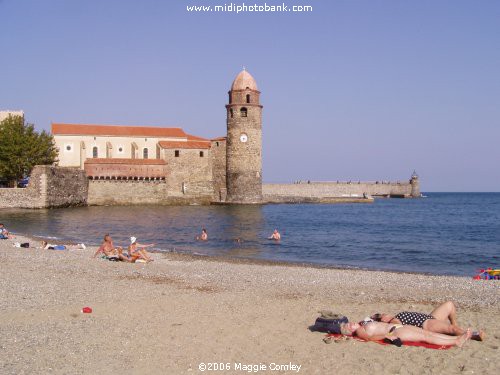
point(133, 239)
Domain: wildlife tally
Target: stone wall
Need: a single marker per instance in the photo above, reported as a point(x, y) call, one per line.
point(48, 187)
point(131, 192)
point(189, 174)
point(126, 192)
point(218, 152)
point(324, 190)
point(20, 198)
point(188, 181)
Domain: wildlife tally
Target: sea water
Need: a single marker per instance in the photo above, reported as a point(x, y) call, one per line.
point(444, 234)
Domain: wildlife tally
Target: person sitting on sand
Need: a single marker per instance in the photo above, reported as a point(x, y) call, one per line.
point(138, 251)
point(4, 233)
point(443, 319)
point(110, 252)
point(203, 236)
point(48, 246)
point(275, 236)
point(395, 333)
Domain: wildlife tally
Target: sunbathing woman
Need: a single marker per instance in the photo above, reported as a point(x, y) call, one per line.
point(138, 251)
point(443, 319)
point(374, 331)
point(4, 233)
point(49, 246)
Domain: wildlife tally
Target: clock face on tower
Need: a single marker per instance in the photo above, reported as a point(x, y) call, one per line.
point(243, 137)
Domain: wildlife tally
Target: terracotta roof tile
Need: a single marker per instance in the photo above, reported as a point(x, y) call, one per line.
point(125, 161)
point(219, 139)
point(116, 130)
point(195, 138)
point(185, 145)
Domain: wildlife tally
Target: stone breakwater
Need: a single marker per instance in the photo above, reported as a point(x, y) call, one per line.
point(63, 187)
point(332, 190)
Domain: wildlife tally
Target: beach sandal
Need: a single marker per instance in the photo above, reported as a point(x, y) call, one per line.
point(478, 335)
point(328, 339)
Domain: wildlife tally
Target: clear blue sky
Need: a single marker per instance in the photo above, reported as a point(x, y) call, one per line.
point(352, 90)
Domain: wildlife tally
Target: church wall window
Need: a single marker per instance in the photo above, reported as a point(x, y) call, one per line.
point(201, 154)
point(243, 112)
point(95, 152)
point(145, 153)
point(177, 153)
point(248, 98)
point(231, 112)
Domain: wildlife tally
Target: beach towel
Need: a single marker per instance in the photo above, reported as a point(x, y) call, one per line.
point(405, 343)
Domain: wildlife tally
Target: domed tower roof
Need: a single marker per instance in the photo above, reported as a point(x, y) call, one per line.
point(243, 81)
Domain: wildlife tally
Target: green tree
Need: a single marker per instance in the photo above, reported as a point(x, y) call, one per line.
point(21, 148)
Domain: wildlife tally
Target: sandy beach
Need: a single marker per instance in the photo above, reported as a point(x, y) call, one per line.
point(178, 313)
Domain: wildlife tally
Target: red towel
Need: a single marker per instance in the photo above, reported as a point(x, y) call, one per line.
point(405, 343)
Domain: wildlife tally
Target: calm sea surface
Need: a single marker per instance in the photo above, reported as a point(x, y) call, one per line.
point(445, 233)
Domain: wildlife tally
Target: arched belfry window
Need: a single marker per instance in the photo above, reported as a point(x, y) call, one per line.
point(94, 152)
point(248, 98)
point(231, 112)
point(145, 153)
point(243, 112)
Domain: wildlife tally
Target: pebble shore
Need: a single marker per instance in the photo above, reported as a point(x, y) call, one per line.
point(170, 315)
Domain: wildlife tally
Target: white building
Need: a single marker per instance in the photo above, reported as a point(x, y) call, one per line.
point(6, 113)
point(77, 143)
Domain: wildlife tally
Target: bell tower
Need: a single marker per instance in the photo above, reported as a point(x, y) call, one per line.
point(244, 141)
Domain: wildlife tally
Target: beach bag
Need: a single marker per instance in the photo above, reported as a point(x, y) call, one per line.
point(25, 244)
point(329, 323)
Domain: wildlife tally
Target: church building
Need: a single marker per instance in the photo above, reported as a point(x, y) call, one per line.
point(167, 165)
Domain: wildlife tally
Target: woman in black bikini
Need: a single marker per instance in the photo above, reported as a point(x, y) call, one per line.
point(443, 319)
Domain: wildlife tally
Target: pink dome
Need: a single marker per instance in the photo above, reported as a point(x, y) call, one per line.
point(243, 81)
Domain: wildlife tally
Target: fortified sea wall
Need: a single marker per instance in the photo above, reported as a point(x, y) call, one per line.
point(336, 191)
point(130, 192)
point(63, 187)
point(48, 187)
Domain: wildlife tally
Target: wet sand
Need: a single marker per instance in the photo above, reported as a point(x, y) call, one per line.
point(171, 315)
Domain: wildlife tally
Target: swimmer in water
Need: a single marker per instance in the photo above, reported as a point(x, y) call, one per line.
point(275, 236)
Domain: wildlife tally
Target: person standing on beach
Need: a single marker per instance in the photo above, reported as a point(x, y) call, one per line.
point(443, 319)
point(203, 236)
point(275, 236)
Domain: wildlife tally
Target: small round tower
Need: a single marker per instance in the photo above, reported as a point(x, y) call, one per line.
point(244, 141)
point(415, 185)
